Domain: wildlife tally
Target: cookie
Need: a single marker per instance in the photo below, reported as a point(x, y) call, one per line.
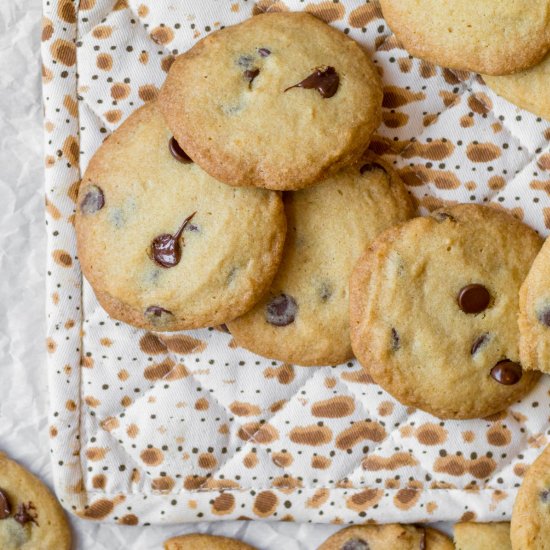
point(164, 245)
point(482, 536)
point(527, 89)
point(493, 37)
point(304, 318)
point(534, 314)
point(278, 101)
point(30, 517)
point(530, 529)
point(436, 540)
point(377, 537)
point(204, 542)
point(434, 306)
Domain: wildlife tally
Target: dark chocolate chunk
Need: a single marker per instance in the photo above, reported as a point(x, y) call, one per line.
point(440, 217)
point(26, 513)
point(250, 75)
point(281, 311)
point(473, 298)
point(93, 200)
point(5, 508)
point(370, 166)
point(507, 372)
point(545, 496)
point(395, 340)
point(324, 79)
point(264, 52)
point(177, 152)
point(544, 317)
point(166, 249)
point(356, 544)
point(479, 342)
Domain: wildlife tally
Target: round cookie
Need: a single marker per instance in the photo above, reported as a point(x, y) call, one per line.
point(530, 528)
point(205, 542)
point(278, 101)
point(30, 517)
point(493, 37)
point(434, 306)
point(376, 537)
point(534, 314)
point(138, 195)
point(304, 318)
point(527, 89)
point(482, 536)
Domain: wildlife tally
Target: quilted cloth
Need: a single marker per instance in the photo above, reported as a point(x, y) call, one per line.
point(150, 428)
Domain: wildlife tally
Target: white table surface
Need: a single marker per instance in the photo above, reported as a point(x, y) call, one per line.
point(23, 380)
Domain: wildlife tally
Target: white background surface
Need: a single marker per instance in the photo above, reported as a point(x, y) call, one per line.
point(23, 384)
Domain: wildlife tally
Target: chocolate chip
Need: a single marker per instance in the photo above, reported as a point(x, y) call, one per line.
point(224, 328)
point(440, 217)
point(177, 152)
point(479, 342)
point(473, 298)
point(5, 508)
point(395, 340)
point(507, 372)
point(545, 496)
point(544, 317)
point(324, 79)
point(370, 166)
point(93, 200)
point(26, 513)
point(157, 315)
point(356, 544)
point(250, 75)
point(281, 311)
point(166, 249)
point(245, 61)
point(264, 52)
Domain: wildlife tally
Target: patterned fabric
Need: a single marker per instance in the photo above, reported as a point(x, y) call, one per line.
point(151, 428)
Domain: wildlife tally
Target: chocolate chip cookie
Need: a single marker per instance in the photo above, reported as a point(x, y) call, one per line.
point(482, 536)
point(204, 542)
point(436, 540)
point(534, 314)
point(492, 37)
point(278, 101)
point(30, 517)
point(528, 89)
point(377, 537)
point(304, 318)
point(530, 529)
point(164, 245)
point(434, 305)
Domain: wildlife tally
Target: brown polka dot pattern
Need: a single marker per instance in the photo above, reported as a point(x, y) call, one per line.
point(205, 430)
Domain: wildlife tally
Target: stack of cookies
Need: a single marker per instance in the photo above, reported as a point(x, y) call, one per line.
point(246, 196)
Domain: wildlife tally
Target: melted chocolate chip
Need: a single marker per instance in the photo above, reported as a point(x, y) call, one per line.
point(473, 298)
point(281, 311)
point(250, 75)
point(156, 313)
point(370, 166)
point(5, 508)
point(395, 340)
point(440, 217)
point(507, 372)
point(324, 79)
point(177, 152)
point(93, 200)
point(545, 496)
point(356, 544)
point(479, 342)
point(26, 513)
point(166, 249)
point(264, 52)
point(544, 317)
